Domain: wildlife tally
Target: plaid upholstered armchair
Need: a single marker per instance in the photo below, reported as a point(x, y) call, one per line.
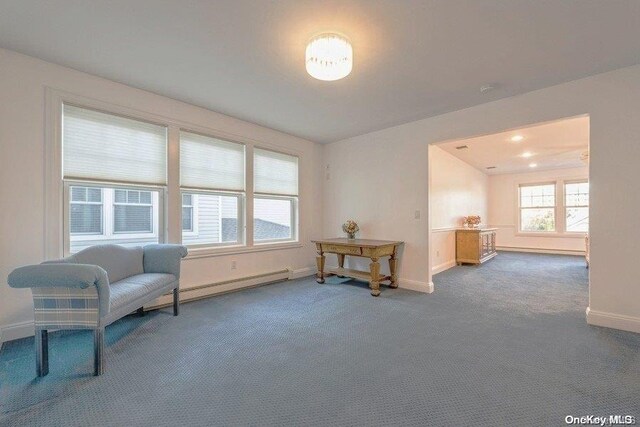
point(95, 287)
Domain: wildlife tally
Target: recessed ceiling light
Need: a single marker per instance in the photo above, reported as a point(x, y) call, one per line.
point(526, 154)
point(329, 57)
point(517, 138)
point(533, 165)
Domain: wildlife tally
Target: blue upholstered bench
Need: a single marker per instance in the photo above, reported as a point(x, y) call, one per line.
point(95, 287)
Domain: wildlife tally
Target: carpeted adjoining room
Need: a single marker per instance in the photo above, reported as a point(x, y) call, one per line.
point(501, 344)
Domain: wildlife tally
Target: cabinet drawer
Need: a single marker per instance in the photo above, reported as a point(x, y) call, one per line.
point(338, 249)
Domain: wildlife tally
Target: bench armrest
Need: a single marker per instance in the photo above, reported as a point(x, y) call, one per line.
point(58, 275)
point(63, 275)
point(164, 258)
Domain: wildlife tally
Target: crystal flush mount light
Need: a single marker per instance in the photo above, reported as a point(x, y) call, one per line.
point(329, 57)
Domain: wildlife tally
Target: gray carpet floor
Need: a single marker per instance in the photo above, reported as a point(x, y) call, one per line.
point(501, 344)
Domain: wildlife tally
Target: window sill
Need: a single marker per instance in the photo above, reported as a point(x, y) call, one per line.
point(555, 234)
point(196, 253)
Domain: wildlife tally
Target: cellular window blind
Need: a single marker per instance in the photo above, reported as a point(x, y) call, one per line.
point(105, 147)
point(211, 163)
point(275, 173)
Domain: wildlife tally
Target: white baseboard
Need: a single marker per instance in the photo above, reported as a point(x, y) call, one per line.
point(414, 285)
point(210, 289)
point(302, 272)
point(442, 267)
point(611, 320)
point(540, 250)
point(16, 331)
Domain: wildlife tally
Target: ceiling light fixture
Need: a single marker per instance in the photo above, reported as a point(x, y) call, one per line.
point(526, 154)
point(517, 138)
point(329, 57)
point(533, 165)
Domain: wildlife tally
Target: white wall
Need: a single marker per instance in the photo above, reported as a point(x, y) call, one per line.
point(457, 189)
point(503, 212)
point(23, 81)
point(380, 179)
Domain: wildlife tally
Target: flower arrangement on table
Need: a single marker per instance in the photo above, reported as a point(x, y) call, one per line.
point(472, 221)
point(351, 228)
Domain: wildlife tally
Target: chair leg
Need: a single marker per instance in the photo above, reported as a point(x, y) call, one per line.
point(176, 302)
point(98, 351)
point(42, 352)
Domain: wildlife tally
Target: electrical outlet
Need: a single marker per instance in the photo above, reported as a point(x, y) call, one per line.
point(233, 264)
point(438, 254)
point(416, 214)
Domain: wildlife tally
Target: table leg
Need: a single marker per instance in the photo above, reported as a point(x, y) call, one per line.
point(320, 264)
point(341, 262)
point(392, 271)
point(374, 284)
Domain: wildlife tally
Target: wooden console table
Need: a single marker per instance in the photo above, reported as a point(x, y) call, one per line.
point(373, 249)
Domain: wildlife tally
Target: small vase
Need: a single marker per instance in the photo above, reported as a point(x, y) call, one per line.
point(351, 236)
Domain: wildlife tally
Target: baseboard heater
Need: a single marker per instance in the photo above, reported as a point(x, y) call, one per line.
point(218, 288)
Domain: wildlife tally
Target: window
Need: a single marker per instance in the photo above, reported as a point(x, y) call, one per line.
point(576, 203)
point(114, 171)
point(537, 208)
point(85, 212)
point(276, 196)
point(100, 214)
point(187, 212)
point(213, 184)
point(132, 212)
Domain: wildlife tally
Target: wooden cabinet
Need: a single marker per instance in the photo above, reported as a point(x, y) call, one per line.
point(475, 246)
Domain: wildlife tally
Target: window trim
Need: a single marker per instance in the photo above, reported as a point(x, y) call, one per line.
point(108, 214)
point(240, 196)
point(580, 234)
point(127, 203)
point(560, 231)
point(101, 203)
point(55, 209)
point(294, 219)
point(554, 207)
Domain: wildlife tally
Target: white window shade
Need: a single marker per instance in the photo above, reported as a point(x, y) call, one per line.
point(275, 173)
point(210, 163)
point(105, 147)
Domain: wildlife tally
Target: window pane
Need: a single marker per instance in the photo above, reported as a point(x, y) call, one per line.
point(107, 218)
point(121, 196)
point(577, 194)
point(133, 197)
point(187, 219)
point(186, 200)
point(578, 219)
point(537, 219)
point(79, 194)
point(132, 219)
point(94, 195)
point(538, 195)
point(85, 218)
point(272, 219)
point(213, 219)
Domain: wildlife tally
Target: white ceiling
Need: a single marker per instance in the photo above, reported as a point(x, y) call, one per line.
point(412, 59)
point(555, 145)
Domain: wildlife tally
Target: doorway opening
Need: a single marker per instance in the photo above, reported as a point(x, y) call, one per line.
point(520, 191)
